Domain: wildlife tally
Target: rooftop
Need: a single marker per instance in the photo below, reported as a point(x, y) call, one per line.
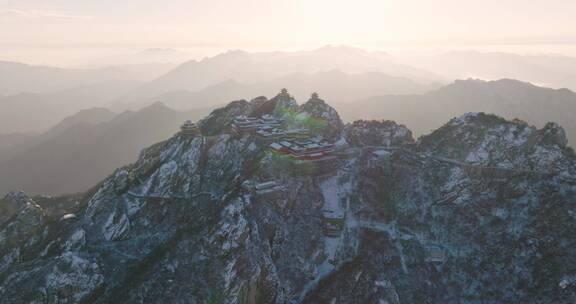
point(188, 124)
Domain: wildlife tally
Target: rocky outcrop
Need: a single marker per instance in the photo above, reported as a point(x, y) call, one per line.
point(436, 233)
point(554, 135)
point(279, 106)
point(10, 205)
point(24, 225)
point(434, 223)
point(488, 140)
point(378, 133)
point(220, 119)
point(324, 117)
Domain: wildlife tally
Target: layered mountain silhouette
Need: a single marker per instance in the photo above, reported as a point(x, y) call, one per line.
point(12, 144)
point(105, 143)
point(82, 149)
point(478, 211)
point(548, 70)
point(37, 112)
point(506, 97)
point(23, 78)
point(153, 56)
point(257, 67)
point(339, 73)
point(35, 98)
point(335, 85)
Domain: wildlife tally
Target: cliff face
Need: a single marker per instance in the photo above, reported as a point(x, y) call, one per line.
point(480, 210)
point(377, 133)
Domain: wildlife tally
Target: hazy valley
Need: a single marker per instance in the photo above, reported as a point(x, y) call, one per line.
point(332, 175)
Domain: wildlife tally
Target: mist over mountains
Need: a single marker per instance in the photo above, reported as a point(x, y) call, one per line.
point(236, 152)
point(379, 216)
point(340, 73)
point(48, 120)
point(333, 85)
point(12, 144)
point(149, 57)
point(18, 78)
point(82, 149)
point(300, 70)
point(37, 112)
point(35, 98)
point(252, 67)
point(550, 70)
point(97, 140)
point(509, 98)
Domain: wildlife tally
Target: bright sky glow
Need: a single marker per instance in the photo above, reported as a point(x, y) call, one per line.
point(284, 23)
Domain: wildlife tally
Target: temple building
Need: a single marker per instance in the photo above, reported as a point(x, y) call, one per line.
point(435, 254)
point(270, 134)
point(250, 125)
point(309, 154)
point(333, 222)
point(263, 190)
point(189, 129)
point(243, 125)
point(309, 149)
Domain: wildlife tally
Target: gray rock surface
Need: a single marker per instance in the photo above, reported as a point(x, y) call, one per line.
point(480, 211)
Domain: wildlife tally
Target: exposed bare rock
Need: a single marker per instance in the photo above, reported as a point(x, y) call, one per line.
point(480, 210)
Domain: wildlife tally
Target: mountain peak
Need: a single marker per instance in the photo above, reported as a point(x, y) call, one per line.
point(467, 117)
point(17, 196)
point(229, 55)
point(87, 116)
point(490, 140)
point(378, 133)
point(554, 134)
point(319, 109)
point(480, 83)
point(311, 215)
point(277, 106)
point(341, 49)
point(160, 51)
point(156, 106)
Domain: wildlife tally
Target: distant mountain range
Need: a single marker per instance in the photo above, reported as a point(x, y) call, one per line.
point(548, 70)
point(83, 148)
point(48, 131)
point(250, 68)
point(339, 73)
point(12, 144)
point(147, 56)
point(16, 78)
point(479, 211)
point(34, 98)
point(332, 85)
point(79, 150)
point(37, 112)
point(508, 98)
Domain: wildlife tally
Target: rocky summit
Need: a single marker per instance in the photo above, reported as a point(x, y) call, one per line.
point(481, 210)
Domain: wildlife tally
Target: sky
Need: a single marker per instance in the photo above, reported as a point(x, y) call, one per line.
point(283, 24)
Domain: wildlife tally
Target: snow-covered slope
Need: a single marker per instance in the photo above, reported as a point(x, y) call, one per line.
point(481, 210)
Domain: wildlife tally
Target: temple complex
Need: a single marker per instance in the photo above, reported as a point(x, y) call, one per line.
point(189, 129)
